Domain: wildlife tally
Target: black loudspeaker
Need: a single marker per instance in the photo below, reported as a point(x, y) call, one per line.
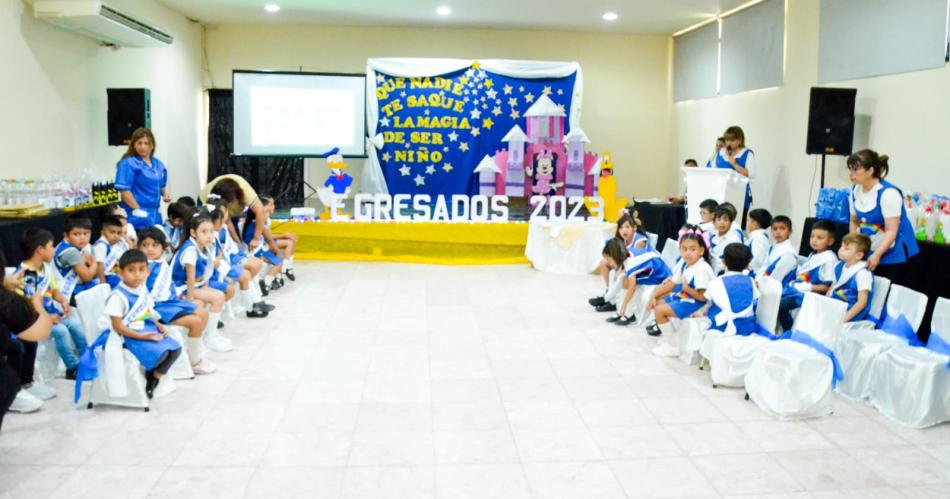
point(831, 121)
point(129, 108)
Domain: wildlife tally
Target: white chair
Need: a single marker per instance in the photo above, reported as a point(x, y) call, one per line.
point(638, 304)
point(730, 357)
point(671, 251)
point(858, 348)
point(690, 333)
point(181, 369)
point(654, 239)
point(879, 291)
point(790, 380)
point(48, 364)
point(121, 379)
point(911, 385)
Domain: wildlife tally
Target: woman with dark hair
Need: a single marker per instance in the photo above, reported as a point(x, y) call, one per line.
point(142, 181)
point(877, 211)
point(240, 198)
point(22, 322)
point(736, 156)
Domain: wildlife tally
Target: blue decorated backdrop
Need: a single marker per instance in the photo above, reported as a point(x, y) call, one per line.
point(437, 129)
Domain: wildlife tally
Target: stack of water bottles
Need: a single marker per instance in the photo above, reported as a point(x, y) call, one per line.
point(58, 192)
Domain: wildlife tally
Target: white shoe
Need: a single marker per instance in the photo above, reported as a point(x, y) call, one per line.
point(204, 366)
point(24, 402)
point(214, 343)
point(41, 391)
point(666, 350)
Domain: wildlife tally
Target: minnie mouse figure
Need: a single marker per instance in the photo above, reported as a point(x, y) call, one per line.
point(542, 174)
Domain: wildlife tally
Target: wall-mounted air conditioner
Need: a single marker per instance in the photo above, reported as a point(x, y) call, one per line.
point(97, 20)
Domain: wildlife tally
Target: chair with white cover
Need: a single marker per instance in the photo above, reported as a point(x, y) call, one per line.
point(181, 369)
point(654, 239)
point(121, 380)
point(858, 348)
point(730, 357)
point(690, 333)
point(671, 251)
point(911, 385)
point(879, 291)
point(791, 380)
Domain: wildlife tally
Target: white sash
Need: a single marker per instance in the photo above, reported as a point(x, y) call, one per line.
point(143, 304)
point(161, 284)
point(816, 261)
point(112, 257)
point(778, 251)
point(846, 274)
point(69, 283)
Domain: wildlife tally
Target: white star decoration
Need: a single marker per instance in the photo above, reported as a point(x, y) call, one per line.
point(453, 136)
point(430, 170)
point(560, 91)
point(496, 111)
point(384, 121)
point(445, 148)
point(380, 79)
point(513, 101)
point(386, 156)
point(402, 94)
point(529, 97)
point(515, 114)
point(463, 147)
point(426, 112)
point(404, 171)
point(507, 89)
point(420, 180)
point(475, 114)
point(546, 91)
point(475, 132)
point(447, 167)
point(491, 93)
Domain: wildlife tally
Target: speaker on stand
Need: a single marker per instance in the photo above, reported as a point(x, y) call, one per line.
point(830, 123)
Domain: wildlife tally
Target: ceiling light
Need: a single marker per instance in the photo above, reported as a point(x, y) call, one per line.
point(610, 16)
point(443, 11)
point(272, 8)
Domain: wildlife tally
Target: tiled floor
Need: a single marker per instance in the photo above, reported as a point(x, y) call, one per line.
point(377, 381)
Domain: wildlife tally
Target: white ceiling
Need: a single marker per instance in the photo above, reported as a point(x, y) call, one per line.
point(636, 16)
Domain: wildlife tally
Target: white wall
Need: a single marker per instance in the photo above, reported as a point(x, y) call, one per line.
point(54, 95)
point(626, 78)
point(909, 120)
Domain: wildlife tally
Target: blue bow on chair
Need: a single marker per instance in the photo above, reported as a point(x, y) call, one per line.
point(88, 368)
point(899, 327)
point(806, 339)
point(937, 344)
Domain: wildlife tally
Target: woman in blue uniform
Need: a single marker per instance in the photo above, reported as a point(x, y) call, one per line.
point(877, 211)
point(736, 156)
point(142, 181)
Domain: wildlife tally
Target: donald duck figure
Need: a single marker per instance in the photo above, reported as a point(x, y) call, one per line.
point(336, 188)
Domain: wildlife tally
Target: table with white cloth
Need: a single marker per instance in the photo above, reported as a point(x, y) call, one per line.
point(567, 247)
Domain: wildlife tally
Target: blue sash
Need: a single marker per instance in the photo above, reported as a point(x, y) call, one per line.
point(806, 339)
point(899, 327)
point(88, 368)
point(937, 344)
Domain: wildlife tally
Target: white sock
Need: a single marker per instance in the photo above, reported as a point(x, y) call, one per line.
point(669, 333)
point(245, 298)
point(268, 280)
point(194, 348)
point(255, 291)
point(212, 327)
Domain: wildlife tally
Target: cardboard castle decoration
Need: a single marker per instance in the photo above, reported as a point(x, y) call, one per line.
point(575, 171)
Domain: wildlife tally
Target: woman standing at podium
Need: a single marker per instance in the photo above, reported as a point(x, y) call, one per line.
point(142, 181)
point(736, 156)
point(877, 211)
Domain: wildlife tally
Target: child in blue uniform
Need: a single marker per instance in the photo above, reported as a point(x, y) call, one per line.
point(286, 241)
point(192, 268)
point(630, 235)
point(74, 259)
point(229, 267)
point(174, 224)
point(851, 281)
point(808, 276)
point(133, 316)
point(264, 251)
point(637, 267)
point(172, 309)
point(688, 286)
point(108, 249)
point(723, 236)
point(782, 258)
point(759, 222)
point(733, 295)
point(706, 210)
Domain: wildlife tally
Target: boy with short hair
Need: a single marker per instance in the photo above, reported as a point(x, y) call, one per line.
point(722, 236)
point(808, 276)
point(108, 249)
point(759, 222)
point(173, 225)
point(68, 333)
point(851, 281)
point(74, 259)
point(733, 294)
point(706, 210)
point(781, 261)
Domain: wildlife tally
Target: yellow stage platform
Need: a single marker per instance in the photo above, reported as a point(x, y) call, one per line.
point(410, 242)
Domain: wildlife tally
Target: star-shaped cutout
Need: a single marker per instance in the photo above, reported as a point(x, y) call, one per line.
point(453, 136)
point(521, 88)
point(546, 91)
point(463, 147)
point(488, 83)
point(484, 106)
point(529, 97)
point(487, 123)
point(420, 180)
point(507, 89)
point(561, 107)
point(380, 79)
point(445, 148)
point(404, 171)
point(491, 93)
point(513, 101)
point(386, 156)
point(408, 145)
point(476, 131)
point(560, 91)
point(515, 114)
point(402, 94)
point(475, 114)
point(426, 112)
point(384, 121)
point(476, 66)
point(463, 80)
point(466, 99)
point(496, 111)
point(430, 170)
point(447, 167)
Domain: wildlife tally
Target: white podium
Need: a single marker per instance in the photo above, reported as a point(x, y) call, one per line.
point(712, 183)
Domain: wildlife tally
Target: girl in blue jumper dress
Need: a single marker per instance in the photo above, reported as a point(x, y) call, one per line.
point(637, 267)
point(630, 234)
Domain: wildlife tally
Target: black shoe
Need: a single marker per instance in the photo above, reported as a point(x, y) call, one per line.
point(264, 307)
point(280, 279)
point(614, 318)
point(626, 320)
point(290, 274)
point(256, 314)
point(275, 285)
point(150, 383)
point(654, 330)
point(71, 373)
point(597, 301)
point(220, 325)
point(264, 289)
point(606, 307)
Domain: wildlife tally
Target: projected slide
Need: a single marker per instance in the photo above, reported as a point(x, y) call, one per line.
point(298, 114)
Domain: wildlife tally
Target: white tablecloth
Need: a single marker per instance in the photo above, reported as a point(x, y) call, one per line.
point(564, 247)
